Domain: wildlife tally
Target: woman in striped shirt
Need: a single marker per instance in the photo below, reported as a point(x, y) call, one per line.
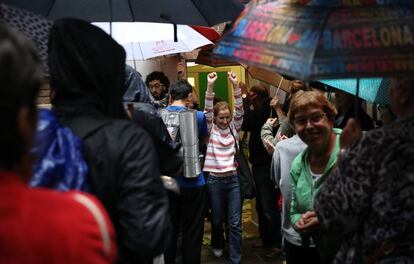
point(223, 181)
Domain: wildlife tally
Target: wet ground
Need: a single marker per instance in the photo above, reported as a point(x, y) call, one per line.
point(251, 255)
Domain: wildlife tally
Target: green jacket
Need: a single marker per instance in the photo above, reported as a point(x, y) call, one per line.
point(303, 189)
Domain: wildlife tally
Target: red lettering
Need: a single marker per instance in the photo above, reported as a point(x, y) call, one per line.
point(366, 37)
point(357, 43)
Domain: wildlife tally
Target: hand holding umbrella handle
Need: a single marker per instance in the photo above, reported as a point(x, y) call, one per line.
point(350, 134)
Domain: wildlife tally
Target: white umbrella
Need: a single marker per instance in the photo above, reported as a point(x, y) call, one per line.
point(143, 40)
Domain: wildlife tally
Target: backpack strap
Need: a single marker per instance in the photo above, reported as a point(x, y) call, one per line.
point(172, 127)
point(85, 126)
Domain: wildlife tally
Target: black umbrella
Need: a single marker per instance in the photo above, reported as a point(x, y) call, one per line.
point(34, 27)
point(188, 12)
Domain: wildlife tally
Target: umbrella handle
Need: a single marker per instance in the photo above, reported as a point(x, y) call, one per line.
point(280, 84)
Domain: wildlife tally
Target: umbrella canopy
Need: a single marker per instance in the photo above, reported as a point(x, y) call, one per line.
point(200, 12)
point(373, 90)
point(147, 40)
point(320, 39)
point(208, 32)
point(33, 26)
point(270, 77)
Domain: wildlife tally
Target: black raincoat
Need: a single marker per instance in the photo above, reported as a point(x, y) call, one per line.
point(87, 70)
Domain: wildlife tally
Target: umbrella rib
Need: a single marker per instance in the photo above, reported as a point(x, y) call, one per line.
point(322, 28)
point(131, 10)
point(50, 8)
point(201, 13)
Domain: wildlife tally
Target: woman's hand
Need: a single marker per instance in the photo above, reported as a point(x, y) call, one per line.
point(272, 121)
point(275, 102)
point(280, 137)
point(308, 222)
point(270, 148)
point(351, 133)
point(211, 78)
point(233, 78)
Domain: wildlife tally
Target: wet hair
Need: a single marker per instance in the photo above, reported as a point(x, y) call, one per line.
point(260, 90)
point(303, 99)
point(20, 80)
point(222, 105)
point(160, 76)
point(180, 90)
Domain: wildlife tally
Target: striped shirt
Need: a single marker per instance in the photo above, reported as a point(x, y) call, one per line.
point(220, 147)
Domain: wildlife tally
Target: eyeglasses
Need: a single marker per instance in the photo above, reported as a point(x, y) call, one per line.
point(156, 86)
point(314, 119)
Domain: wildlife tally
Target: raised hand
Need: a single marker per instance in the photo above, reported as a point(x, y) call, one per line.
point(275, 102)
point(270, 148)
point(211, 78)
point(233, 78)
point(272, 121)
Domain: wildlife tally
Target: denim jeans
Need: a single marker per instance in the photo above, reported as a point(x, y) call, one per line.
point(225, 193)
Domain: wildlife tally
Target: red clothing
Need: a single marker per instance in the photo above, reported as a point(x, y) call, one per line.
point(45, 226)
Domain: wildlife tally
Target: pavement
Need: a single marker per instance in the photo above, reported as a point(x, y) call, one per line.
point(251, 254)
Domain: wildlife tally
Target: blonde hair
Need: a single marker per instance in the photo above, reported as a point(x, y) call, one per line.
point(222, 105)
point(304, 99)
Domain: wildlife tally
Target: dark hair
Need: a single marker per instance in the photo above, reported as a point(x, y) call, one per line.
point(261, 91)
point(180, 90)
point(156, 75)
point(20, 79)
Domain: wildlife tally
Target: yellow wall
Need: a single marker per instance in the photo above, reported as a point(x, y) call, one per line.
point(192, 72)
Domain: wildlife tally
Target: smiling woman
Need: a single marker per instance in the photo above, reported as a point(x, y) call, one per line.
point(312, 117)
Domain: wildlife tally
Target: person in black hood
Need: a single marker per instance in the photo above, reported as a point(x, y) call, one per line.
point(87, 71)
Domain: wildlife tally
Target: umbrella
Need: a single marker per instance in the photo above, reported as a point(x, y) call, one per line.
point(147, 40)
point(373, 90)
point(324, 39)
point(200, 12)
point(205, 54)
point(270, 77)
point(33, 26)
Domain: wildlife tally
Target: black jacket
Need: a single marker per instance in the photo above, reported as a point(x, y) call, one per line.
point(253, 120)
point(87, 73)
point(124, 174)
point(168, 152)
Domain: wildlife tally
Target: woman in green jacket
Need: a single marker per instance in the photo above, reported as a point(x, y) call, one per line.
point(312, 117)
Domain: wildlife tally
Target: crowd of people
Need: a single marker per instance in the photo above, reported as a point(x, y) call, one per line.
point(345, 196)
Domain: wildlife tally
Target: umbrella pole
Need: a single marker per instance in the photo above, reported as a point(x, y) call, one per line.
point(168, 19)
point(357, 100)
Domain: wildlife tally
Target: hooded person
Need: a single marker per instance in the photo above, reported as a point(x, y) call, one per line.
point(135, 88)
point(87, 71)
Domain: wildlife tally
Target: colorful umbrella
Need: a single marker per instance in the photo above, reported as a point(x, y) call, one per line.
point(373, 90)
point(323, 39)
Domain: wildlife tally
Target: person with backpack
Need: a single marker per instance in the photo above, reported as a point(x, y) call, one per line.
point(187, 209)
point(223, 182)
point(38, 225)
point(87, 73)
